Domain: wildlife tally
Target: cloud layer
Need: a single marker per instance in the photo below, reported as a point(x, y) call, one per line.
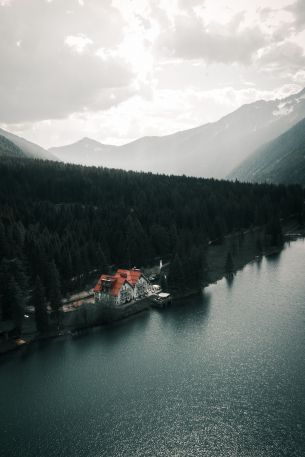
point(118, 70)
point(50, 66)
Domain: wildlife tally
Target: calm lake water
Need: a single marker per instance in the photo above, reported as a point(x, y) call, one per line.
point(220, 375)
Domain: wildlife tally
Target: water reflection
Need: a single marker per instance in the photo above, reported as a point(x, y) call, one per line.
point(230, 280)
point(274, 258)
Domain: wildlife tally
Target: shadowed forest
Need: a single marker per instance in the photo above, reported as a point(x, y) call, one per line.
point(62, 225)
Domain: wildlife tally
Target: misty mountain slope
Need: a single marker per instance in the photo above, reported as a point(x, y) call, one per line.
point(85, 151)
point(7, 148)
point(210, 150)
point(29, 149)
point(279, 161)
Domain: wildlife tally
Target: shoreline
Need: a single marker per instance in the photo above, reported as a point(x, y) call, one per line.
point(191, 293)
point(113, 316)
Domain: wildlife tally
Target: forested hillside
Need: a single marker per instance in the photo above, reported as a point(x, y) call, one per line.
point(280, 161)
point(27, 148)
point(9, 148)
point(61, 222)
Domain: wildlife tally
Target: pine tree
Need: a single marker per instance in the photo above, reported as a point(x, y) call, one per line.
point(20, 275)
point(5, 277)
point(54, 286)
point(274, 232)
point(17, 303)
point(12, 270)
point(259, 245)
point(229, 266)
point(163, 282)
point(4, 246)
point(176, 278)
point(204, 265)
point(40, 304)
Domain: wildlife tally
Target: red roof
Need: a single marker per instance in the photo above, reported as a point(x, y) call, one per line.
point(132, 276)
point(116, 281)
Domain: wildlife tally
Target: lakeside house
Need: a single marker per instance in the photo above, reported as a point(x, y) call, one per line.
point(122, 287)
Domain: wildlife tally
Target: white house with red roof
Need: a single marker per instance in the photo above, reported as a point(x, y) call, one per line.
point(122, 287)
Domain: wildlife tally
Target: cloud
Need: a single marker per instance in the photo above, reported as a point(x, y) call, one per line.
point(116, 70)
point(190, 38)
point(167, 112)
point(50, 67)
point(298, 11)
point(189, 5)
point(287, 57)
point(78, 42)
point(299, 77)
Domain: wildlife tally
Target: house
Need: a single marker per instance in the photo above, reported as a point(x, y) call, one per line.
point(122, 287)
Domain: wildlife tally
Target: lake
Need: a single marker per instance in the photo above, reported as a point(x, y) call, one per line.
point(222, 374)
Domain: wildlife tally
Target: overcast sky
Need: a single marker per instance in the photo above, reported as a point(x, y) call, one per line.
point(121, 69)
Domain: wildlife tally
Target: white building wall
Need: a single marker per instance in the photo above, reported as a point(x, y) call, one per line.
point(141, 288)
point(126, 294)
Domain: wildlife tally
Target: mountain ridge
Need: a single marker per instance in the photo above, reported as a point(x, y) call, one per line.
point(210, 150)
point(281, 160)
point(29, 149)
point(8, 148)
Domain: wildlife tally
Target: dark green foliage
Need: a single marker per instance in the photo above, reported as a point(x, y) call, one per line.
point(16, 302)
point(163, 282)
point(176, 276)
point(229, 265)
point(274, 232)
point(7, 147)
point(40, 304)
point(195, 268)
point(137, 246)
point(68, 223)
point(259, 245)
point(15, 271)
point(54, 292)
point(279, 161)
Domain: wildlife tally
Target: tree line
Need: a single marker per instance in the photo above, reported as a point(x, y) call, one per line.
point(62, 225)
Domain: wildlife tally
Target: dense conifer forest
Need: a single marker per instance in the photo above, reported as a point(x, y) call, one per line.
point(61, 225)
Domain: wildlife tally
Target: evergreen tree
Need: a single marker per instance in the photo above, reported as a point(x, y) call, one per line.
point(5, 277)
point(56, 211)
point(176, 278)
point(229, 266)
point(17, 303)
point(40, 304)
point(54, 287)
point(274, 233)
point(196, 268)
point(259, 245)
point(163, 282)
point(4, 246)
point(12, 270)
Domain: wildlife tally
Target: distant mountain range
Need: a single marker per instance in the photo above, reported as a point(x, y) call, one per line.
point(279, 161)
point(23, 148)
point(211, 150)
point(241, 145)
point(87, 152)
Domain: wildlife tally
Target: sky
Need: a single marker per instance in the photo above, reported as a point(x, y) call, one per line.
point(118, 70)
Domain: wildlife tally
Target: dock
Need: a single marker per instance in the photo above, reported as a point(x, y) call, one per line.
point(161, 300)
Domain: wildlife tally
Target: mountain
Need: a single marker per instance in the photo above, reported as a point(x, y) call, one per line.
point(7, 148)
point(85, 151)
point(29, 149)
point(210, 150)
point(279, 161)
